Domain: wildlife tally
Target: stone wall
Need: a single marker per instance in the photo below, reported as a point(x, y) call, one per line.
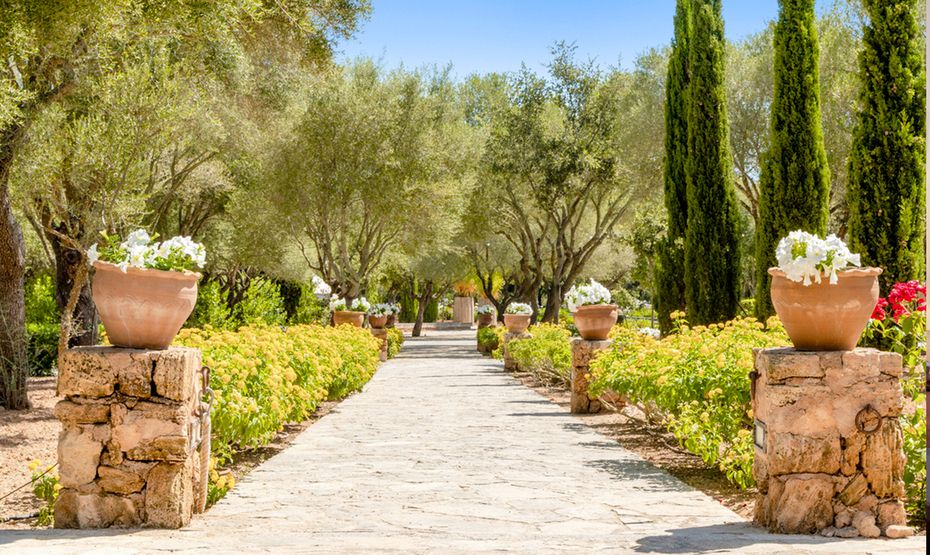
point(509, 362)
point(582, 353)
point(130, 451)
point(382, 335)
point(829, 453)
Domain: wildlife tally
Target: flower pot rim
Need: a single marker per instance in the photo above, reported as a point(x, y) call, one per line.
point(868, 271)
point(185, 275)
point(351, 311)
point(512, 314)
point(611, 306)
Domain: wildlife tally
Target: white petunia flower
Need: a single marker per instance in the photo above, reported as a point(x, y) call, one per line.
point(805, 257)
point(519, 308)
point(92, 254)
point(592, 293)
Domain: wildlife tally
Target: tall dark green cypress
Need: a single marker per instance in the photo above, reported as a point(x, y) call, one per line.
point(712, 254)
point(794, 188)
point(670, 266)
point(886, 166)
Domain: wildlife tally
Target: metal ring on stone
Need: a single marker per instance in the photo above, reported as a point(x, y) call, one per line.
point(868, 420)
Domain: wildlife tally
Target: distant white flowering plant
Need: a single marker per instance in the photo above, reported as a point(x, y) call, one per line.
point(320, 288)
point(360, 304)
point(585, 295)
point(381, 309)
point(804, 257)
point(140, 250)
point(484, 309)
point(395, 308)
point(651, 332)
point(519, 308)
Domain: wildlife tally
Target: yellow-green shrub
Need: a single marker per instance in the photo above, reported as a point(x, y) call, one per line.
point(395, 340)
point(267, 376)
point(491, 340)
point(698, 381)
point(547, 354)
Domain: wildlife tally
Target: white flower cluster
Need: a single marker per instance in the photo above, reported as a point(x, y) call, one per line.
point(651, 332)
point(586, 294)
point(485, 309)
point(381, 309)
point(360, 304)
point(320, 288)
point(804, 257)
point(139, 251)
point(519, 308)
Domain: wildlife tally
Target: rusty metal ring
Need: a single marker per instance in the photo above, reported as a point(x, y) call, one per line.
point(868, 420)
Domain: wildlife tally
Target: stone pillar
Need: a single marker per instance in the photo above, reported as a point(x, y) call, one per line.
point(130, 452)
point(463, 310)
point(509, 362)
point(829, 452)
point(381, 334)
point(582, 353)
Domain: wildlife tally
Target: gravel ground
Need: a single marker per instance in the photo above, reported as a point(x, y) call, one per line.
point(26, 436)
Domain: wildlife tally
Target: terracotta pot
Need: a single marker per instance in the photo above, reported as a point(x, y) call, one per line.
point(485, 320)
point(377, 321)
point(391, 320)
point(595, 321)
point(143, 308)
point(517, 323)
point(350, 317)
point(824, 317)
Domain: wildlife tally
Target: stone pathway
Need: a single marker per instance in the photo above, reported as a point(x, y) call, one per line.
point(445, 453)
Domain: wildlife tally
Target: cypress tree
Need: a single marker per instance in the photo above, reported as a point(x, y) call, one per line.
point(670, 275)
point(712, 238)
point(886, 166)
point(794, 188)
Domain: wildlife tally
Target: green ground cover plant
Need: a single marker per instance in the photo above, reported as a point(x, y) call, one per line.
point(395, 339)
point(547, 354)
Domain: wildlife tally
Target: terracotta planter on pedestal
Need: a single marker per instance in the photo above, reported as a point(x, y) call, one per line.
point(377, 322)
point(350, 317)
point(143, 308)
point(517, 323)
point(595, 321)
point(824, 317)
point(391, 320)
point(485, 320)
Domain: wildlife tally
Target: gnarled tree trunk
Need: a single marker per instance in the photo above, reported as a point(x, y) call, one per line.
point(13, 363)
point(69, 268)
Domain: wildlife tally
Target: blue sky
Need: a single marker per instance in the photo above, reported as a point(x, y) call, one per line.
point(488, 35)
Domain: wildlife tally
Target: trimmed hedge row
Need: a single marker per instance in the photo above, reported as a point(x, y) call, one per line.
point(267, 376)
point(547, 354)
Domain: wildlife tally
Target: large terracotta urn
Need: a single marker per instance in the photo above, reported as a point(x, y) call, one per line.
point(351, 317)
point(825, 317)
point(143, 308)
point(377, 321)
point(595, 321)
point(517, 323)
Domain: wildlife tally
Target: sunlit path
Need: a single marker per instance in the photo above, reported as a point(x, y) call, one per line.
point(444, 452)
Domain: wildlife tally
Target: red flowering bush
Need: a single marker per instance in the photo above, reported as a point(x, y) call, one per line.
point(899, 324)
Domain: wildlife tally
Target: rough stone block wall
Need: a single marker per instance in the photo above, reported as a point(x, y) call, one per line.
point(128, 451)
point(582, 353)
point(381, 334)
point(509, 362)
point(832, 458)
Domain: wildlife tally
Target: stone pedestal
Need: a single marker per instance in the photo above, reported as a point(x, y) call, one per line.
point(509, 362)
point(130, 451)
point(829, 452)
point(463, 310)
point(381, 334)
point(582, 353)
